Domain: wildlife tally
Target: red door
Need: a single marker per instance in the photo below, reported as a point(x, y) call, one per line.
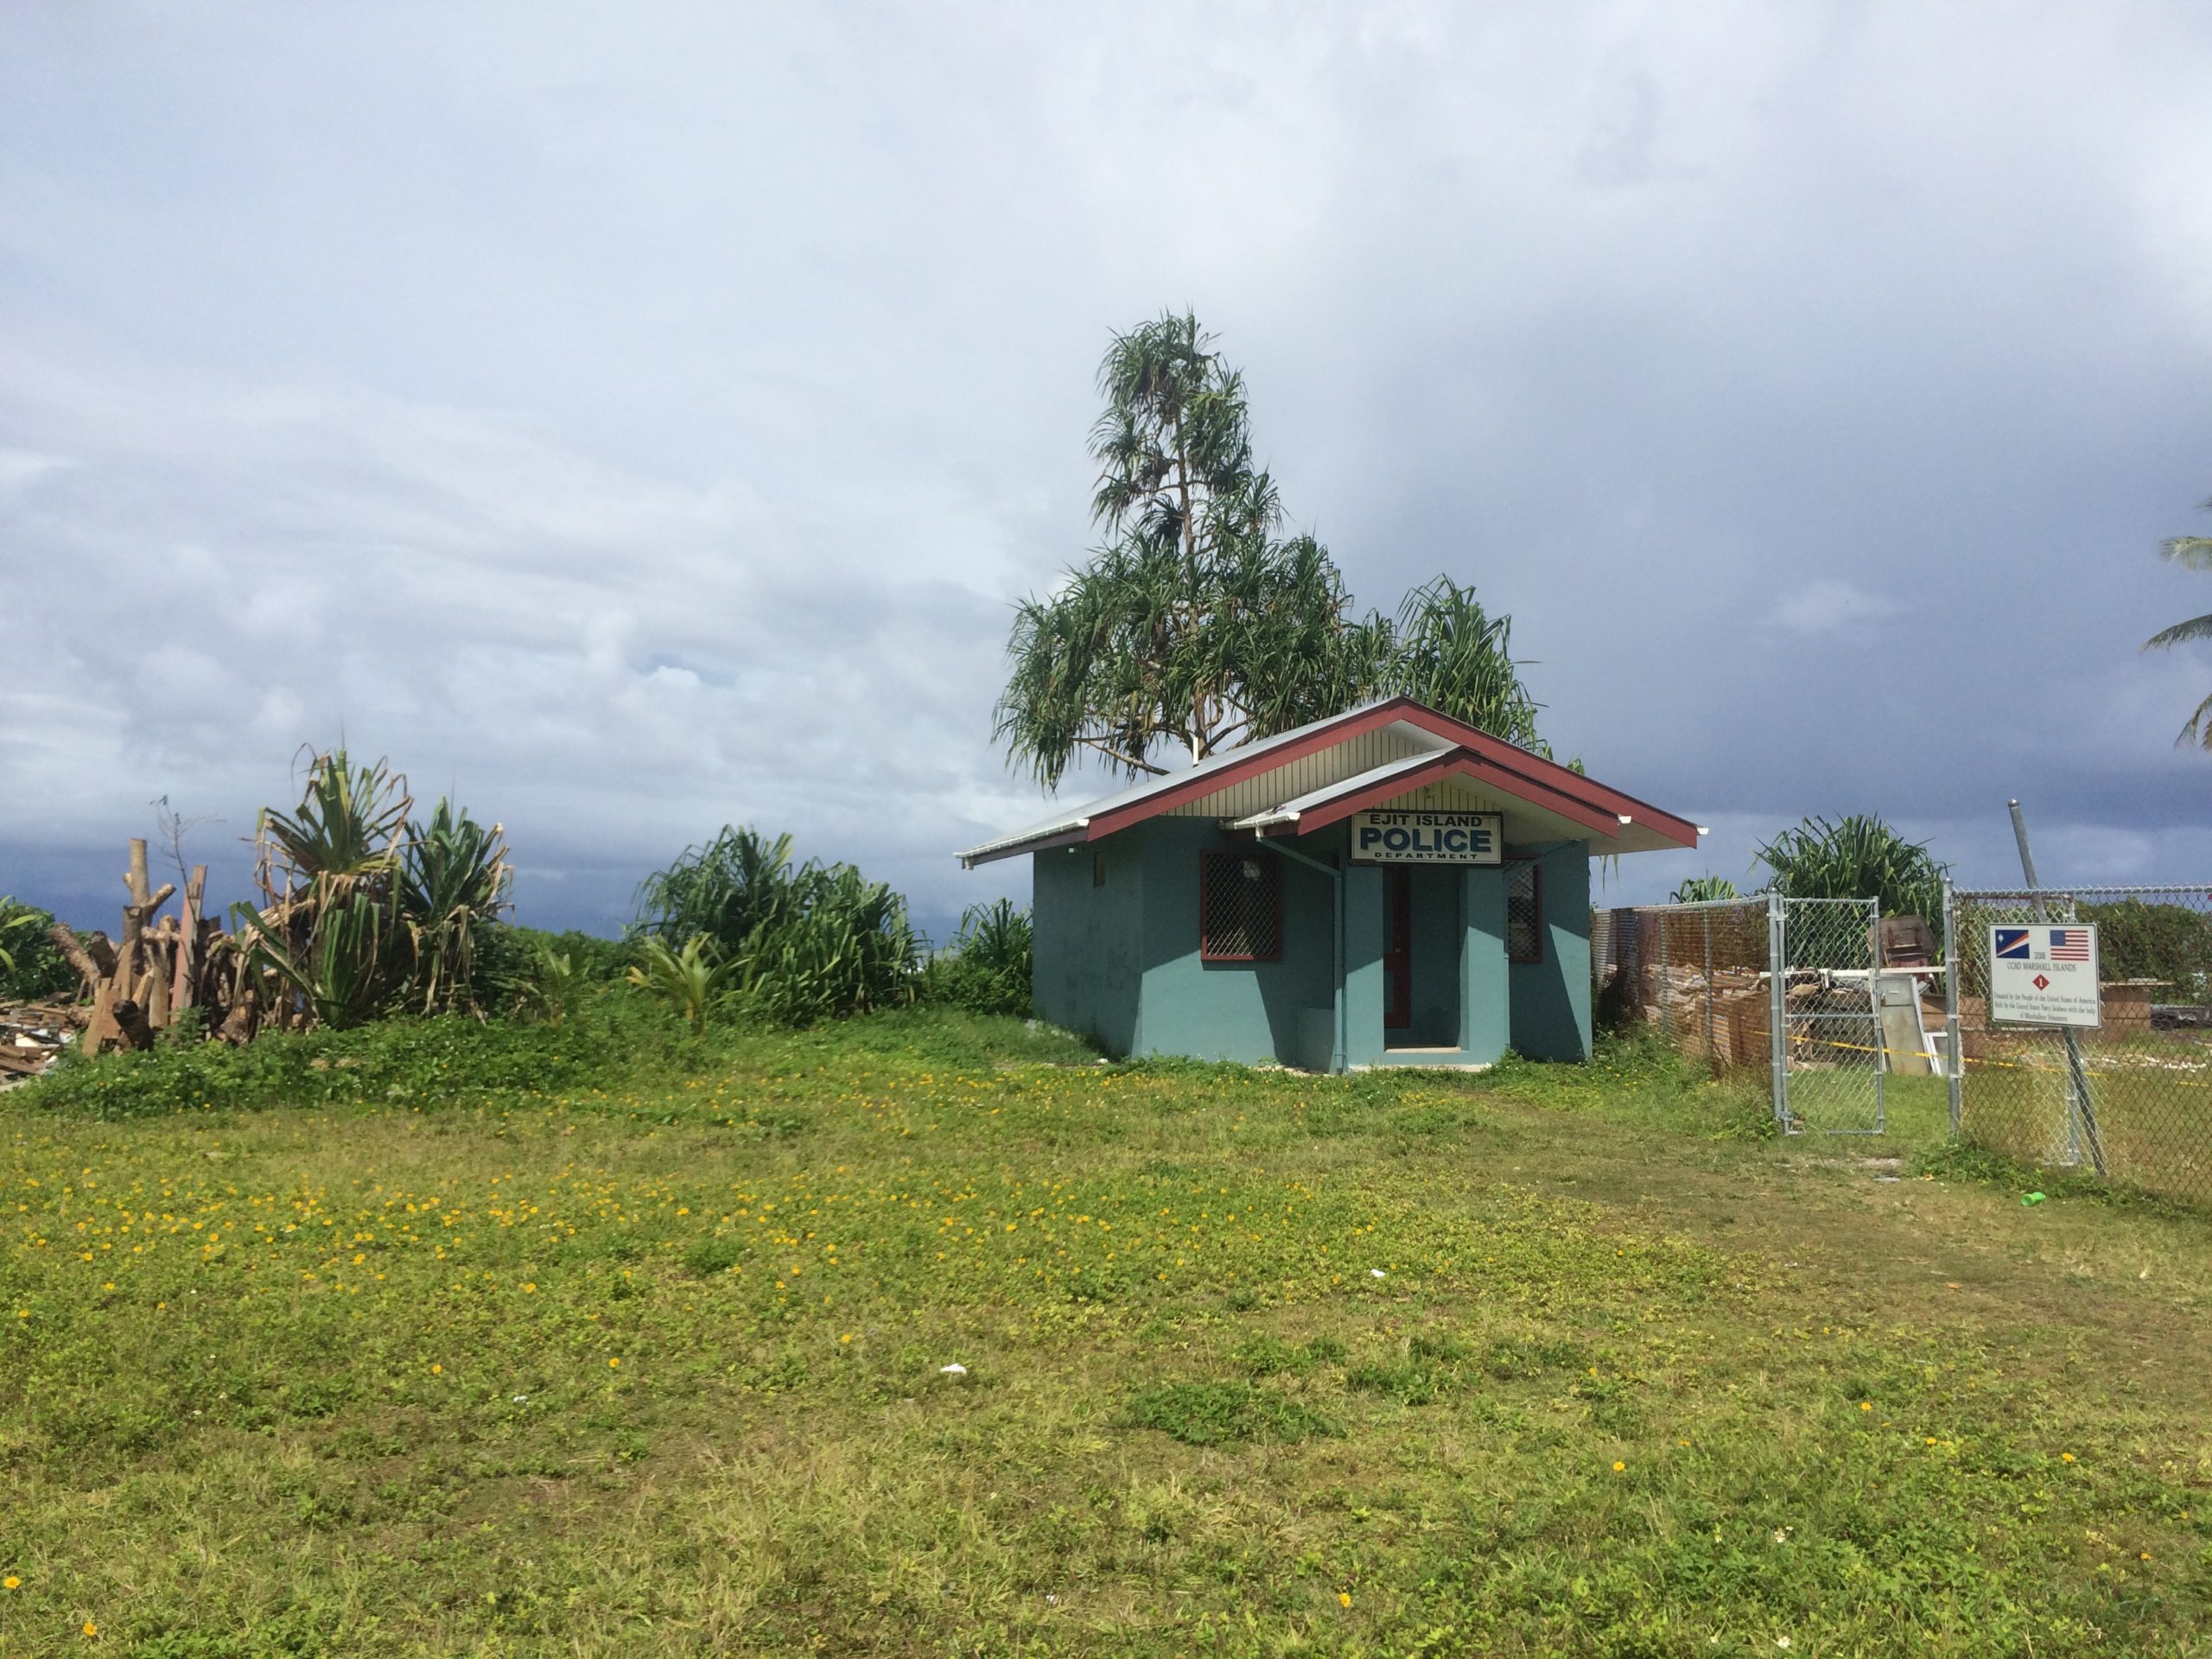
point(1397, 949)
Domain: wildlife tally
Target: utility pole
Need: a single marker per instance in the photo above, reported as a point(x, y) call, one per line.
point(2081, 1109)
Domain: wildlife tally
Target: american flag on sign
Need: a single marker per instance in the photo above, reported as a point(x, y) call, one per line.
point(2069, 944)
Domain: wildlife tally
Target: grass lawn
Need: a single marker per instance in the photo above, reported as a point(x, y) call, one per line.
point(1556, 1361)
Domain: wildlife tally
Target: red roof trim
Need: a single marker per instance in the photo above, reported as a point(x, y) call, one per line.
point(1547, 775)
point(1451, 762)
point(1535, 767)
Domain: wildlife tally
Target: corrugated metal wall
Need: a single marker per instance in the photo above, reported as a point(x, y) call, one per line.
point(1332, 765)
point(1304, 775)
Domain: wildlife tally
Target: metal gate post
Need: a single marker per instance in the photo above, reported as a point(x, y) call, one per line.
point(1874, 1008)
point(1778, 1008)
point(2081, 1109)
point(1954, 1061)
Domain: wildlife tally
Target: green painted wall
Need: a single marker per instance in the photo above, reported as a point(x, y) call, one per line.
point(1363, 989)
point(1088, 966)
point(1551, 998)
point(1120, 962)
point(1278, 1010)
point(1483, 971)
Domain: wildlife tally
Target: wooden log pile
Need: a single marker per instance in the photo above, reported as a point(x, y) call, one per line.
point(166, 970)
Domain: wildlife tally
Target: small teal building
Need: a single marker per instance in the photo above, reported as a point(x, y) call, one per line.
point(1388, 887)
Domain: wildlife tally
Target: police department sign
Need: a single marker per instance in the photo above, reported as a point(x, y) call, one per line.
point(1419, 837)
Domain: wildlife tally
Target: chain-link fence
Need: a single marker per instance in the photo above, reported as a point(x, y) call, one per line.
point(1695, 973)
point(2130, 1097)
point(1784, 992)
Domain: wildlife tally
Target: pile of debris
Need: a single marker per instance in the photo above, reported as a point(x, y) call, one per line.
point(160, 972)
point(32, 1036)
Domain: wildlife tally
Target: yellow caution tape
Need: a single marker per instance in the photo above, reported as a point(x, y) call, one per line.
point(2002, 1065)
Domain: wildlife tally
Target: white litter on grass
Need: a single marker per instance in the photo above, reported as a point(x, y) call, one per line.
point(521, 1400)
point(952, 1370)
point(1375, 1273)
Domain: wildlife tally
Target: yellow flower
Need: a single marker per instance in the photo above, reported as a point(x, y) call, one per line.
point(1344, 1597)
point(2066, 1456)
point(11, 1582)
point(612, 1362)
point(1865, 1405)
point(437, 1370)
point(91, 1629)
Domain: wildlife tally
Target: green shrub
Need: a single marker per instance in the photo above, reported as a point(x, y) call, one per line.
point(693, 981)
point(31, 968)
point(613, 1043)
point(1704, 889)
point(614, 1037)
point(508, 954)
point(801, 943)
point(987, 967)
point(2169, 943)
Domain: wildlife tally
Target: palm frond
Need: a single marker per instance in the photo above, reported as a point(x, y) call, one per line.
point(2182, 633)
point(2197, 728)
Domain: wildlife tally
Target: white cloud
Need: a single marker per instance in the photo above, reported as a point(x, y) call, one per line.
point(643, 422)
point(1821, 606)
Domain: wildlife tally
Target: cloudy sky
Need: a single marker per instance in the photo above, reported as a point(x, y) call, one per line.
point(639, 418)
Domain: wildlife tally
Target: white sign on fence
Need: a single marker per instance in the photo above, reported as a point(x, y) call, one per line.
point(1421, 837)
point(2043, 975)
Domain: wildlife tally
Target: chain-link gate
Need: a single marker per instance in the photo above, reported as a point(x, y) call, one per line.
point(1829, 1073)
point(2130, 1099)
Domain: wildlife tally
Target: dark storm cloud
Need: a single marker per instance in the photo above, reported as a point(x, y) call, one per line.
point(642, 420)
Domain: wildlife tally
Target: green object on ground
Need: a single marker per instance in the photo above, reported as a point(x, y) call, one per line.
point(2032, 1197)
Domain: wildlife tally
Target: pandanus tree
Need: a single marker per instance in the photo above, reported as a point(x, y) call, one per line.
point(363, 910)
point(1856, 857)
point(2191, 553)
point(1198, 625)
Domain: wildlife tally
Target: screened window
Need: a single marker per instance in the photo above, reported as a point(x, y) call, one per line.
point(1524, 914)
point(1240, 907)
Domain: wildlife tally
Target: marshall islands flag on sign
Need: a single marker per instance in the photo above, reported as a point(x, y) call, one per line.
point(2060, 943)
point(2043, 975)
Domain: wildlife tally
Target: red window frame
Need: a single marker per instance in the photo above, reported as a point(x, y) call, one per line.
point(1536, 904)
point(1232, 862)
